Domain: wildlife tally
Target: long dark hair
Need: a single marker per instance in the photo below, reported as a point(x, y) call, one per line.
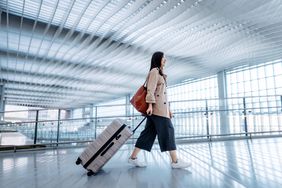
point(156, 61)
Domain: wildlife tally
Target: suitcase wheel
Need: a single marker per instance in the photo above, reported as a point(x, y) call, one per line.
point(78, 161)
point(90, 173)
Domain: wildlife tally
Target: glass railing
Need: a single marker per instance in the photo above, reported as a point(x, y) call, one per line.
point(193, 120)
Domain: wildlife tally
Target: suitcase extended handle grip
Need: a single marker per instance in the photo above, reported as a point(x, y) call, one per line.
point(139, 124)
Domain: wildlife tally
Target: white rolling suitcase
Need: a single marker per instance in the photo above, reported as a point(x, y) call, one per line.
point(96, 155)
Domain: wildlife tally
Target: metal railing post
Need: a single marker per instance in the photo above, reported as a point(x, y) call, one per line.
point(207, 119)
point(58, 125)
point(36, 124)
point(245, 116)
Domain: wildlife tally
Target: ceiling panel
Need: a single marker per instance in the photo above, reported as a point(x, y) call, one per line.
point(76, 52)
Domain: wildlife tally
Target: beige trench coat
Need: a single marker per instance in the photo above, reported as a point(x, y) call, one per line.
point(157, 93)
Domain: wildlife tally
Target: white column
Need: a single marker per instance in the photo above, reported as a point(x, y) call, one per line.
point(223, 106)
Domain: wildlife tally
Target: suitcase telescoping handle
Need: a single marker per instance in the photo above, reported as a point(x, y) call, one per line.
point(139, 124)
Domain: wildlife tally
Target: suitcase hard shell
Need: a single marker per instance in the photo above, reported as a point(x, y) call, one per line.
point(97, 154)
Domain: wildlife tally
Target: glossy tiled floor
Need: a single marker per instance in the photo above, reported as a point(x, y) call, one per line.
point(243, 163)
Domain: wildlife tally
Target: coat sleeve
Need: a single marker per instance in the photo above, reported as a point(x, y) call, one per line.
point(152, 85)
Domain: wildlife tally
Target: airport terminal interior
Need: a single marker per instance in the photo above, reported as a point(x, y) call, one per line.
point(69, 68)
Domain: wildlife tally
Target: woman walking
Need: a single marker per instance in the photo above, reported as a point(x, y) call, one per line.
point(159, 117)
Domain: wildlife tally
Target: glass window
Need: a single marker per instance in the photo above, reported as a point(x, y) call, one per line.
point(277, 68)
point(260, 72)
point(269, 70)
point(260, 82)
point(198, 89)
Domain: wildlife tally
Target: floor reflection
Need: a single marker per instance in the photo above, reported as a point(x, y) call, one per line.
point(241, 163)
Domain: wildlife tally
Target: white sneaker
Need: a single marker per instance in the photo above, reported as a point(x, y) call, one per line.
point(180, 164)
point(136, 162)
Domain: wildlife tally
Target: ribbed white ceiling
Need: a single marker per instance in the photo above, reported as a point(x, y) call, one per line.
point(69, 53)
